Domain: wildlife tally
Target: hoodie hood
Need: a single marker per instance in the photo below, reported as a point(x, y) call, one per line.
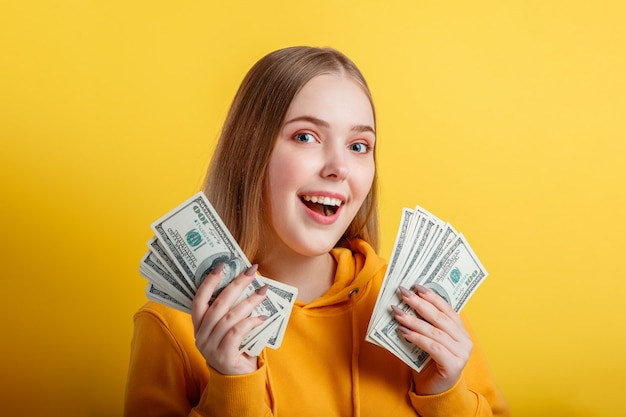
point(357, 265)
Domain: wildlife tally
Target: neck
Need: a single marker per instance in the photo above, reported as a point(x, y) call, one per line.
point(312, 275)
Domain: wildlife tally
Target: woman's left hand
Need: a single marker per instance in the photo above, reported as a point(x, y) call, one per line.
point(441, 333)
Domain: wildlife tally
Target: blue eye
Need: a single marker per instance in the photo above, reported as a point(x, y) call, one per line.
point(360, 147)
point(304, 137)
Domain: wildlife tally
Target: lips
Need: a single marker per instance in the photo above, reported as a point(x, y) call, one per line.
point(324, 205)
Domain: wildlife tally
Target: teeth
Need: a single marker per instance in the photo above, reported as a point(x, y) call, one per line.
point(327, 201)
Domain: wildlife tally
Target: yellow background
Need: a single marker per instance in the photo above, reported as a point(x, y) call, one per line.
point(506, 118)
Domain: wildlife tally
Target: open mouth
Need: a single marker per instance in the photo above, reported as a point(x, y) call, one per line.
point(326, 206)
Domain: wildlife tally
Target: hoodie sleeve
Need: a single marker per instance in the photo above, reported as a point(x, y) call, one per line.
point(475, 394)
point(234, 395)
point(167, 376)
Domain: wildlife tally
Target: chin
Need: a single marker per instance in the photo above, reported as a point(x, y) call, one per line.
point(309, 248)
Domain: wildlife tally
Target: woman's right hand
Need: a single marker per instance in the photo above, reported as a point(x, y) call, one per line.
point(219, 328)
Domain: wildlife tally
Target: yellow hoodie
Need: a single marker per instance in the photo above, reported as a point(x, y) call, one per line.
point(324, 366)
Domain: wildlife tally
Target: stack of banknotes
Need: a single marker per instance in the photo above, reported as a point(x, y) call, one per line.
point(189, 242)
point(429, 252)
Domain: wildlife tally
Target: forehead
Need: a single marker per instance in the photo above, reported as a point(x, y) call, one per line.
point(332, 95)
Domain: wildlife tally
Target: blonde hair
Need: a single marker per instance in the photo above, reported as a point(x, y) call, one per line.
point(237, 173)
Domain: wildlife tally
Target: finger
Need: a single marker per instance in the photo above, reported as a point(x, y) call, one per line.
point(203, 295)
point(224, 355)
point(422, 333)
point(230, 324)
point(438, 301)
point(234, 337)
point(449, 361)
point(223, 303)
point(232, 292)
point(441, 332)
point(436, 311)
point(450, 355)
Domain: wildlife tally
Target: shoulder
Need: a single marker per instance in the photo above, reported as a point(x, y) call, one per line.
point(160, 311)
point(154, 315)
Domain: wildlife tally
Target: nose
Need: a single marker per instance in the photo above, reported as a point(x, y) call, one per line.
point(335, 166)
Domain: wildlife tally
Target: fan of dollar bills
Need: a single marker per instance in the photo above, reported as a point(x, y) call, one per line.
point(429, 252)
point(189, 242)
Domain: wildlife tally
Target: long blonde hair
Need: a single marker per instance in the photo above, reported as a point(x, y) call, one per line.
point(237, 173)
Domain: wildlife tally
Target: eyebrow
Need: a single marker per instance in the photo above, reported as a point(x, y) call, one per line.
point(325, 124)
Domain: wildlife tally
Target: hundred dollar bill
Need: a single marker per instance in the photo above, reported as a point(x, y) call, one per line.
point(197, 241)
point(165, 290)
point(154, 293)
point(426, 227)
point(287, 295)
point(190, 241)
point(388, 288)
point(272, 331)
point(156, 249)
point(152, 268)
point(430, 253)
point(455, 277)
point(416, 237)
point(272, 310)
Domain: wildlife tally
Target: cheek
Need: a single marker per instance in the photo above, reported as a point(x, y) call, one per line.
point(281, 175)
point(279, 164)
point(364, 178)
point(277, 176)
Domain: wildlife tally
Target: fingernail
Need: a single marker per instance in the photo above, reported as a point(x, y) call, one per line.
point(218, 269)
point(420, 289)
point(262, 318)
point(262, 290)
point(250, 271)
point(403, 330)
point(397, 311)
point(405, 292)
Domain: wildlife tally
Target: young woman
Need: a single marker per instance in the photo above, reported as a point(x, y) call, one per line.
point(294, 179)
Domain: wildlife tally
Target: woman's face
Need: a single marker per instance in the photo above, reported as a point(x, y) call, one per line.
point(322, 166)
